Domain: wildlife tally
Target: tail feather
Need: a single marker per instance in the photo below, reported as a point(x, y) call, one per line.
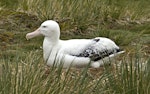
point(109, 59)
point(117, 53)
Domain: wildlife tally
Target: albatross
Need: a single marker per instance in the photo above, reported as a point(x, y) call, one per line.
point(74, 52)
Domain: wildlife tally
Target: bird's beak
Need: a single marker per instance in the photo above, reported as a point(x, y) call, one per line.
point(33, 34)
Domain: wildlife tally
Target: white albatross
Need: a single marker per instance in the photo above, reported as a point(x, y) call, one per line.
point(74, 52)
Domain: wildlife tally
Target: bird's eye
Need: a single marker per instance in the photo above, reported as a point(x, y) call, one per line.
point(44, 26)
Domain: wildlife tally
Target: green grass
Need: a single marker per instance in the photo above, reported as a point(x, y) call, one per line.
point(83, 13)
point(30, 75)
point(23, 71)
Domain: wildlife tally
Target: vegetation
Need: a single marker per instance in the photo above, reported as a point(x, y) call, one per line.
point(23, 71)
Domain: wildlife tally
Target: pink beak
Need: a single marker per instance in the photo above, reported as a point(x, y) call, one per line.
point(33, 34)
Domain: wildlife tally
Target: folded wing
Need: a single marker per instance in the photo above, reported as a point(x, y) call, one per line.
point(99, 49)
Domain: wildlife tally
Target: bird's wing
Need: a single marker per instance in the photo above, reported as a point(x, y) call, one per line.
point(98, 48)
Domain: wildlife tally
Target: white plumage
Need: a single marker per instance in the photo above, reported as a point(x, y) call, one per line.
point(74, 52)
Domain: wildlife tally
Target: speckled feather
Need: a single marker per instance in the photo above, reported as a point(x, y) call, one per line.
point(94, 52)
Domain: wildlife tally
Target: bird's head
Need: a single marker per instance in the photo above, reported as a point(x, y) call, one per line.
point(49, 29)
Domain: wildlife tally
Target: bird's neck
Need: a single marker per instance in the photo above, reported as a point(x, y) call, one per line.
point(51, 40)
point(50, 47)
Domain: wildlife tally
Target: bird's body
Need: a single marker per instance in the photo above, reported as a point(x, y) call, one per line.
point(74, 52)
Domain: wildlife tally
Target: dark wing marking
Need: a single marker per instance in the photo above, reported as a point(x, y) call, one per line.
point(95, 53)
point(96, 40)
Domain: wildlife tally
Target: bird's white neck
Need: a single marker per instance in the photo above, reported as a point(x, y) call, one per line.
point(51, 40)
point(50, 48)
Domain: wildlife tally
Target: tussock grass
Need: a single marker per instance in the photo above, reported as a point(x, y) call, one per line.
point(30, 75)
point(84, 13)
